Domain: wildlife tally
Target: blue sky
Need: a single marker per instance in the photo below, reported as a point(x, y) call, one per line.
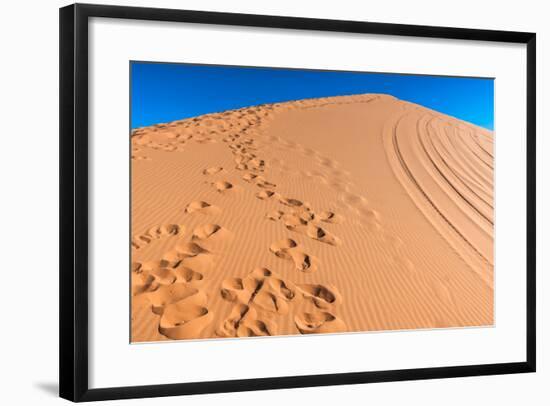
point(163, 92)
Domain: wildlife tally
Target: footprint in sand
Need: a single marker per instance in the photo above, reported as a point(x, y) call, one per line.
point(317, 233)
point(187, 275)
point(183, 320)
point(143, 282)
point(274, 215)
point(155, 233)
point(168, 147)
point(265, 184)
point(236, 147)
point(353, 200)
point(320, 322)
point(190, 249)
point(338, 185)
point(140, 241)
point(168, 294)
point(205, 140)
point(266, 194)
point(330, 217)
point(140, 158)
point(203, 207)
point(369, 218)
point(249, 177)
point(290, 250)
point(162, 275)
point(184, 313)
point(322, 296)
point(211, 236)
point(256, 164)
point(213, 170)
point(293, 202)
point(252, 327)
point(258, 180)
point(222, 186)
point(206, 231)
point(327, 162)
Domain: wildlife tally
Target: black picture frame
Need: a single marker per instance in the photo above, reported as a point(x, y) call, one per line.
point(73, 300)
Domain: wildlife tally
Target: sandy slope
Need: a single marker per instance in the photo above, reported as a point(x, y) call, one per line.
point(340, 214)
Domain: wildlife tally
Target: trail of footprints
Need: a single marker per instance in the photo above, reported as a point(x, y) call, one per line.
point(200, 206)
point(331, 174)
point(301, 219)
point(173, 284)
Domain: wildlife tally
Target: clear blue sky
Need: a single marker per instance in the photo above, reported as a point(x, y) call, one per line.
point(163, 92)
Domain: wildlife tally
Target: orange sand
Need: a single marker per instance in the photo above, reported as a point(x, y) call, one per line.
point(354, 213)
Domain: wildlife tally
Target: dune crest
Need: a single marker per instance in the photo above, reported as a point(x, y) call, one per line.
point(329, 215)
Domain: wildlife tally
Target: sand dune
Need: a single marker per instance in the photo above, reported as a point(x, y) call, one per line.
point(342, 214)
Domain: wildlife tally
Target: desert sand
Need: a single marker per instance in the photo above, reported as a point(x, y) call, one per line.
point(342, 214)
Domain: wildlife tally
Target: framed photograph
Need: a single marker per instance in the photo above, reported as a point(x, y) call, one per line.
point(256, 202)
